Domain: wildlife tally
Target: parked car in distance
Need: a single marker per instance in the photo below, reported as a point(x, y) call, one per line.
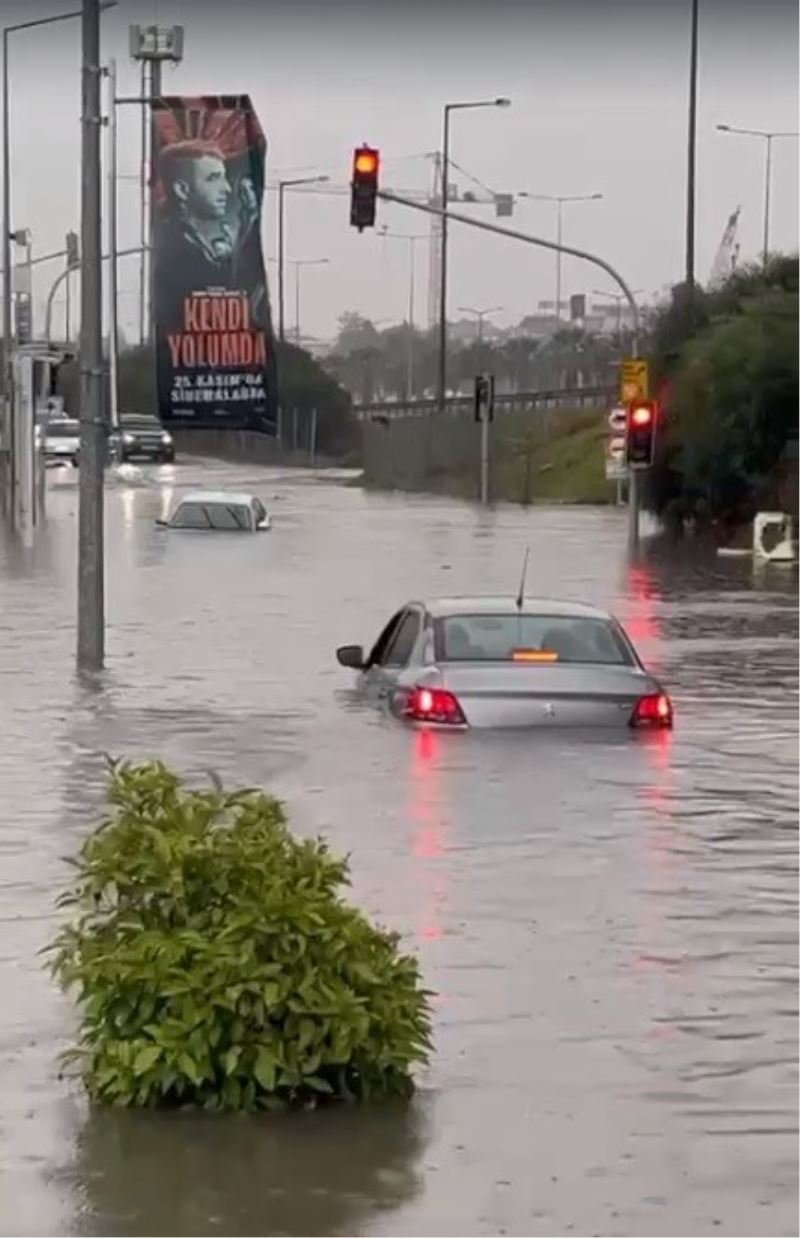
point(494, 662)
point(141, 437)
point(219, 510)
point(60, 441)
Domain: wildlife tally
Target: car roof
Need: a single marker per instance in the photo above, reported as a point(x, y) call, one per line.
point(235, 497)
point(443, 608)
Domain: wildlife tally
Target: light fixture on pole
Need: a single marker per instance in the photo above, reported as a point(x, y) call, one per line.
point(283, 185)
point(479, 316)
point(559, 200)
point(767, 136)
point(619, 297)
point(448, 108)
point(298, 264)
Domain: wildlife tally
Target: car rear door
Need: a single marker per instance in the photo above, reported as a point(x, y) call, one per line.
point(392, 653)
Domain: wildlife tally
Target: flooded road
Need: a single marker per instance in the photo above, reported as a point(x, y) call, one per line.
point(609, 925)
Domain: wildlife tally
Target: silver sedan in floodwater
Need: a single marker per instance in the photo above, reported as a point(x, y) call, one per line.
point(499, 662)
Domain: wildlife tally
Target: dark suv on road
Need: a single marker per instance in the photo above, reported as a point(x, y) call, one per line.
point(143, 438)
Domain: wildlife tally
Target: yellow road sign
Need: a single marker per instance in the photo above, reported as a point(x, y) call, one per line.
point(634, 379)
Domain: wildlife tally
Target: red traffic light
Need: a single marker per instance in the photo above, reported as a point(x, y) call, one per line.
point(366, 161)
point(364, 187)
point(640, 436)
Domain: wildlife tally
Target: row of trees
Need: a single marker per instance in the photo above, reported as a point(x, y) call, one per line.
point(726, 366)
point(389, 364)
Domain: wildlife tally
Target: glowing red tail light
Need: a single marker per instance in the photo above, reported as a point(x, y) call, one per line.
point(653, 711)
point(434, 705)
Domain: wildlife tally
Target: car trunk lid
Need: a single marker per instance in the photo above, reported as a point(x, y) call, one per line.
point(519, 695)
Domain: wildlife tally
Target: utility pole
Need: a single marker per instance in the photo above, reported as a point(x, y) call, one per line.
point(151, 45)
point(91, 584)
point(691, 149)
point(113, 310)
point(155, 94)
point(143, 177)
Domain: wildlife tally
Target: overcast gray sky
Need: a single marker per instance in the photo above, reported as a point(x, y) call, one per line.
point(599, 97)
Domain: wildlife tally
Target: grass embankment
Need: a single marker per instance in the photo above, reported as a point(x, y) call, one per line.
point(561, 460)
point(553, 456)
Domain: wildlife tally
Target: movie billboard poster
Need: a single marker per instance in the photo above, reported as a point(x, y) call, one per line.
point(214, 342)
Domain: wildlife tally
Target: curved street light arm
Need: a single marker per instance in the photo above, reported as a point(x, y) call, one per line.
point(529, 240)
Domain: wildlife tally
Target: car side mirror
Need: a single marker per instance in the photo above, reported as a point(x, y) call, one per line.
point(352, 656)
point(263, 525)
point(162, 524)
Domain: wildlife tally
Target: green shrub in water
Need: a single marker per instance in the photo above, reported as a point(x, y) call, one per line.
point(216, 963)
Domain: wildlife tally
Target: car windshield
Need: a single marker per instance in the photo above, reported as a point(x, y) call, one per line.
point(211, 516)
point(530, 638)
point(139, 423)
point(63, 429)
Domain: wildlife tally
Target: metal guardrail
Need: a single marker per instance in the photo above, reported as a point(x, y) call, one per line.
point(461, 405)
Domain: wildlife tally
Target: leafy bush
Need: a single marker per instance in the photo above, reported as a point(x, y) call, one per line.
point(726, 362)
point(216, 963)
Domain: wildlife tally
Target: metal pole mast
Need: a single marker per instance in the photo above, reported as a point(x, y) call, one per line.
point(767, 177)
point(91, 608)
point(281, 318)
point(410, 357)
point(442, 392)
point(559, 205)
point(155, 94)
point(142, 208)
point(6, 226)
point(691, 149)
point(113, 308)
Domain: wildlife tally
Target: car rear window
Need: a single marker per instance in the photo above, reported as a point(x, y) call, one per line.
point(211, 516)
point(529, 639)
point(63, 429)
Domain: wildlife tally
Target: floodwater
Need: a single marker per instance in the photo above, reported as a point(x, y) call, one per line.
point(610, 925)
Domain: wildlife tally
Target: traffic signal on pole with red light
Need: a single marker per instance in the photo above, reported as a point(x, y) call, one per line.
point(640, 436)
point(364, 187)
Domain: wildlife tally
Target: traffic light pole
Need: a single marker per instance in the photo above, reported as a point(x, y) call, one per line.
point(634, 503)
point(485, 458)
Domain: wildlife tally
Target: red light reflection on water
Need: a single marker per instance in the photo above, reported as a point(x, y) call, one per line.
point(428, 839)
point(640, 617)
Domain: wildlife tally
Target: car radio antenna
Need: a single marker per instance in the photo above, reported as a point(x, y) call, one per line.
point(521, 594)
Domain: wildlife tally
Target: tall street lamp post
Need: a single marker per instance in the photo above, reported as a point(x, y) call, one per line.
point(412, 239)
point(767, 136)
point(619, 297)
point(298, 264)
point(559, 200)
point(691, 148)
point(282, 187)
point(450, 107)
